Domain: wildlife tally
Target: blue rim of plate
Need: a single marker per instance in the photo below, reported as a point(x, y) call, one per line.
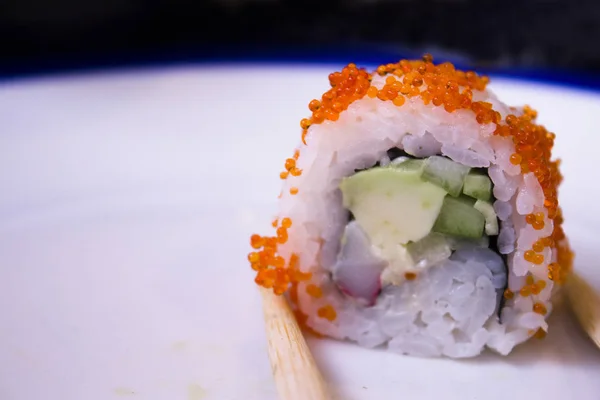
point(362, 55)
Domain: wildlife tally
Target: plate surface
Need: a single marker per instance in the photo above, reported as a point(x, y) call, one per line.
point(127, 202)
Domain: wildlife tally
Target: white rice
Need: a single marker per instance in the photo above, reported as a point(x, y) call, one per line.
point(449, 309)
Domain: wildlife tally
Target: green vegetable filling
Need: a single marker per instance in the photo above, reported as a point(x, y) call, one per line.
point(416, 211)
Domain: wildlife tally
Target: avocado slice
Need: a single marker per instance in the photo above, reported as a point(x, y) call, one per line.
point(478, 186)
point(392, 205)
point(459, 218)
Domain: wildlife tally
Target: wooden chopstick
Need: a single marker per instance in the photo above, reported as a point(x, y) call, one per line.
point(296, 374)
point(585, 303)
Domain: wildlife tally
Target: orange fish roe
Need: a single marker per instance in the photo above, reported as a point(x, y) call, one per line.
point(528, 256)
point(537, 287)
point(536, 220)
point(327, 312)
point(559, 271)
point(515, 159)
point(534, 258)
point(314, 105)
point(539, 216)
point(290, 166)
point(305, 123)
point(538, 225)
point(540, 308)
point(272, 271)
point(290, 163)
point(295, 172)
point(444, 86)
point(525, 291)
point(508, 294)
point(282, 235)
point(347, 86)
point(541, 284)
point(253, 257)
point(529, 280)
point(410, 276)
point(256, 241)
point(538, 247)
point(553, 271)
point(372, 92)
point(539, 334)
point(531, 287)
point(314, 291)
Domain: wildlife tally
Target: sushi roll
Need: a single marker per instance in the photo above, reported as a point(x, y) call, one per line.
point(419, 214)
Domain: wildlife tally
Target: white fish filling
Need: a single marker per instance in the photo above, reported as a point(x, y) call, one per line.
point(450, 308)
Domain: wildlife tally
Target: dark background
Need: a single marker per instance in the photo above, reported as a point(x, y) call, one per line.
point(42, 35)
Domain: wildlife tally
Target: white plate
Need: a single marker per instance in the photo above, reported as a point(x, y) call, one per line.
point(126, 206)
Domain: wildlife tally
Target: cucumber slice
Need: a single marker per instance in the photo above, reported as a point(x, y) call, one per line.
point(432, 249)
point(467, 200)
point(491, 220)
point(446, 174)
point(458, 218)
point(478, 186)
